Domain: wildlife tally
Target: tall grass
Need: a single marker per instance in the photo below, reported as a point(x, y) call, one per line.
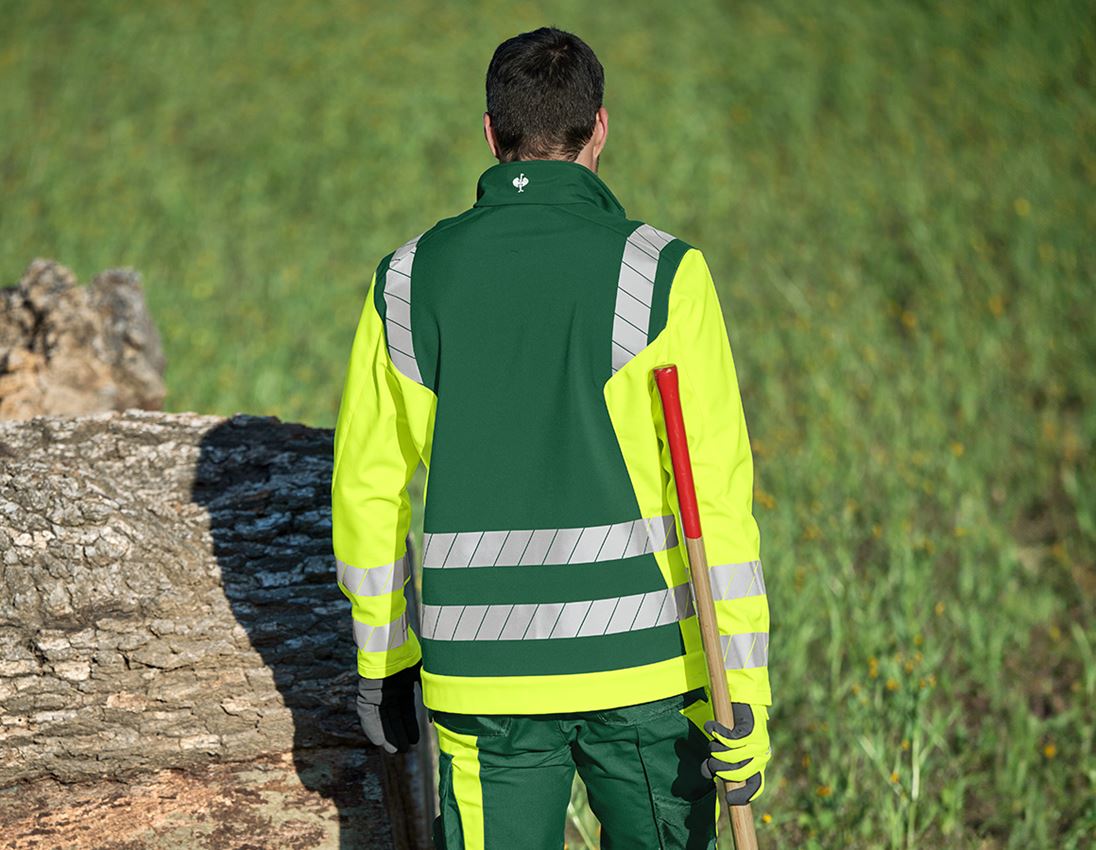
point(896, 199)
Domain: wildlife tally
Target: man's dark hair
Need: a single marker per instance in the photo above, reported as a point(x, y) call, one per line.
point(544, 89)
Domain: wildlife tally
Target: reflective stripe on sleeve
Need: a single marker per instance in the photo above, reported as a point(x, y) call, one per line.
point(549, 546)
point(545, 620)
point(737, 581)
point(374, 581)
point(379, 638)
point(744, 651)
point(635, 289)
point(397, 310)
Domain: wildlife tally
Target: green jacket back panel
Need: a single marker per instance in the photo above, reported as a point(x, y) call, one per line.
point(510, 349)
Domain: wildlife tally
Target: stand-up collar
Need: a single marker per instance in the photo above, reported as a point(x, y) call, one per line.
point(544, 181)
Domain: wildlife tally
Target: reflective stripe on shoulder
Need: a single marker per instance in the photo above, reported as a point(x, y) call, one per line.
point(550, 546)
point(374, 581)
point(544, 620)
point(379, 638)
point(397, 312)
point(742, 651)
point(635, 289)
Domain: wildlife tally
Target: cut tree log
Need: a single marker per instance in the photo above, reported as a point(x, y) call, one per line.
point(177, 665)
point(68, 349)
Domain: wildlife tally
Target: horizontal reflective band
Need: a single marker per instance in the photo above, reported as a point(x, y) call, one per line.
point(635, 289)
point(375, 581)
point(583, 545)
point(535, 621)
point(737, 581)
point(378, 638)
point(746, 650)
point(397, 310)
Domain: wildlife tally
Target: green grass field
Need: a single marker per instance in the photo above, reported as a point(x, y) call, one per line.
point(894, 198)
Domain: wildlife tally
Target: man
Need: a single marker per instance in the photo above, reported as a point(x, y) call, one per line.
point(510, 348)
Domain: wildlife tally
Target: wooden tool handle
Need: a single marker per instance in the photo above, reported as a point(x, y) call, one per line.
point(742, 825)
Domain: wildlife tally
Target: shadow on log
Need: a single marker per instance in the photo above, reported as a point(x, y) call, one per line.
point(176, 661)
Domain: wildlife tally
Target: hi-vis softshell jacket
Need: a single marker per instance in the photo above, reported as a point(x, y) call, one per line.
point(510, 348)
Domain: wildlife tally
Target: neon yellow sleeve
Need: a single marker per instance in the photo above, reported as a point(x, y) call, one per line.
point(719, 447)
point(383, 428)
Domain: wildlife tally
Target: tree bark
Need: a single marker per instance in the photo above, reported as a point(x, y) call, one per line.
point(170, 620)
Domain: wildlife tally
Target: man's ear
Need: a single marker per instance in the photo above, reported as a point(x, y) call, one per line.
point(601, 131)
point(489, 135)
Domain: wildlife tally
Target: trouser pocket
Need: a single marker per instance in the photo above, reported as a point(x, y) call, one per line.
point(641, 765)
point(506, 785)
point(683, 800)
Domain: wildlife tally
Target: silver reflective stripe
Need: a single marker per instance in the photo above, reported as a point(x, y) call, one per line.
point(378, 638)
point(539, 547)
point(397, 310)
point(737, 581)
point(536, 621)
point(635, 289)
point(743, 651)
point(375, 581)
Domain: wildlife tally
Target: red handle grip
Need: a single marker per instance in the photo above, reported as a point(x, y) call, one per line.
point(666, 379)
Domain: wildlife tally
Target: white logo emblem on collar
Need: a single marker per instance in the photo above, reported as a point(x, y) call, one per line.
point(521, 181)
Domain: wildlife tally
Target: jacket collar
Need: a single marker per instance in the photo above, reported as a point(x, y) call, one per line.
point(544, 181)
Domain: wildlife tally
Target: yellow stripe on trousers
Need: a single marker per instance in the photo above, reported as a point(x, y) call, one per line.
point(467, 788)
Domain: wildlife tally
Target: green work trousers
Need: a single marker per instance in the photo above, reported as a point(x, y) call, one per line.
point(505, 780)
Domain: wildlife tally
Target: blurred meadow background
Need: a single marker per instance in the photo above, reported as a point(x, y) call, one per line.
point(896, 200)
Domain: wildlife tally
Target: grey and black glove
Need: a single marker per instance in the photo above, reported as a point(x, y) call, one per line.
point(740, 754)
point(386, 709)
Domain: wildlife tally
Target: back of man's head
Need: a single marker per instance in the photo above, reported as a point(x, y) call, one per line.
point(544, 89)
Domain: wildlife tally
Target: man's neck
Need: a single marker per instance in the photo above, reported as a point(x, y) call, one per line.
point(585, 157)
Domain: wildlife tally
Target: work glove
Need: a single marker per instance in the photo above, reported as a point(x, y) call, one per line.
point(386, 709)
point(740, 754)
